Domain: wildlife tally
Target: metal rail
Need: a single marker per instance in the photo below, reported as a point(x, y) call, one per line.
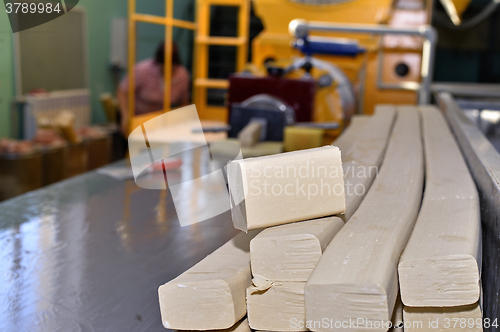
point(301, 28)
point(484, 164)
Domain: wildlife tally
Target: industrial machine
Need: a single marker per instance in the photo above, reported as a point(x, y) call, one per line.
point(354, 55)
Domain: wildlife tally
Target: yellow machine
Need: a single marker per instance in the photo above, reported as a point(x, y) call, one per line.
point(388, 70)
point(385, 67)
point(401, 55)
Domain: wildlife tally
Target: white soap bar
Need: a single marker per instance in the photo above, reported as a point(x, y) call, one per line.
point(211, 294)
point(440, 265)
point(349, 135)
point(290, 252)
point(357, 275)
point(241, 326)
point(447, 319)
point(362, 158)
point(284, 188)
point(279, 308)
point(250, 135)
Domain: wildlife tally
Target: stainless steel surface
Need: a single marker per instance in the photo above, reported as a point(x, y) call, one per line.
point(88, 253)
point(300, 29)
point(485, 114)
point(468, 89)
point(484, 164)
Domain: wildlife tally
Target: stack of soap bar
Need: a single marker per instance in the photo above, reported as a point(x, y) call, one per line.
point(290, 252)
point(357, 274)
point(285, 188)
point(441, 262)
point(285, 256)
point(211, 294)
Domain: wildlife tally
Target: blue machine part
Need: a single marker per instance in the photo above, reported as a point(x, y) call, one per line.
point(328, 46)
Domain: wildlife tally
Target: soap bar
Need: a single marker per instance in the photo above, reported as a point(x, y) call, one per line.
point(349, 135)
point(441, 262)
point(211, 294)
point(279, 308)
point(446, 319)
point(301, 138)
point(356, 277)
point(241, 326)
point(285, 188)
point(290, 252)
point(250, 135)
point(362, 155)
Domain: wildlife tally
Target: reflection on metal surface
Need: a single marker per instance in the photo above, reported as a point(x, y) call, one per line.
point(89, 253)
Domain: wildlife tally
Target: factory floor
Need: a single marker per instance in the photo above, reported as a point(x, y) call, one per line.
point(88, 254)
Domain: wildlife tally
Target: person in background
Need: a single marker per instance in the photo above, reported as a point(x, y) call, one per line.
point(149, 85)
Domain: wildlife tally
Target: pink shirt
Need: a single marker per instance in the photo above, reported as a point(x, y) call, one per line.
point(149, 86)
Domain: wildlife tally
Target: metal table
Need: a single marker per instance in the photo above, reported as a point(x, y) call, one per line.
point(88, 254)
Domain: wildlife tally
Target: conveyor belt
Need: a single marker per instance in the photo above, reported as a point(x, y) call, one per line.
point(89, 253)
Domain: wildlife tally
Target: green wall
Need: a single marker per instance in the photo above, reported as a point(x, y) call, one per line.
point(6, 73)
point(99, 16)
point(102, 79)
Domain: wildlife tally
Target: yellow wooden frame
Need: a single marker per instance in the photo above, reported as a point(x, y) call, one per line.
point(203, 40)
point(169, 22)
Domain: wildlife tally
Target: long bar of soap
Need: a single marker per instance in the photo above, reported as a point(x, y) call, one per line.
point(349, 135)
point(441, 262)
point(363, 156)
point(290, 252)
point(284, 188)
point(357, 275)
point(241, 326)
point(279, 308)
point(211, 294)
point(446, 319)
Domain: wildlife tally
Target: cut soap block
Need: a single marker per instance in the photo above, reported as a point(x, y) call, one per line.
point(440, 265)
point(286, 188)
point(250, 135)
point(290, 252)
point(448, 319)
point(211, 294)
point(357, 275)
point(279, 308)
